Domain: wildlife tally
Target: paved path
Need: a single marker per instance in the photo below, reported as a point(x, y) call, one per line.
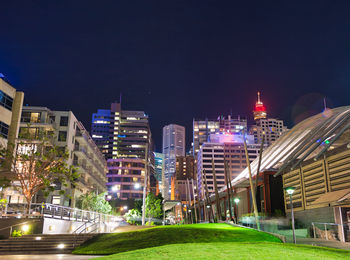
point(319, 242)
point(47, 257)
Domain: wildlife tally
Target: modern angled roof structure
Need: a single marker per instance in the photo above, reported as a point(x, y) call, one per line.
point(309, 139)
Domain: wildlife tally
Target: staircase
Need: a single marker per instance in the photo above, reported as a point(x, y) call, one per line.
point(42, 244)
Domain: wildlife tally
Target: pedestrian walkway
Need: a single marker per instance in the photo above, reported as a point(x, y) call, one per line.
point(47, 257)
point(319, 242)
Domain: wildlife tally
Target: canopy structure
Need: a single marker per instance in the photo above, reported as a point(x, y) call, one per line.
point(333, 197)
point(310, 138)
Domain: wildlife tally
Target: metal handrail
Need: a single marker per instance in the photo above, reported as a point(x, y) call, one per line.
point(84, 224)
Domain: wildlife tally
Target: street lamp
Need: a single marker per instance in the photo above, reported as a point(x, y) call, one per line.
point(115, 188)
point(137, 185)
point(290, 191)
point(236, 200)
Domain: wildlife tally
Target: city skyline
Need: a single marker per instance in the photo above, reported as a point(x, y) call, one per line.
point(216, 54)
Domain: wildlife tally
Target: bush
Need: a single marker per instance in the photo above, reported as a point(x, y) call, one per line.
point(17, 233)
point(133, 216)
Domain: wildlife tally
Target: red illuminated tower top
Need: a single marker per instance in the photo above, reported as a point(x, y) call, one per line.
point(259, 109)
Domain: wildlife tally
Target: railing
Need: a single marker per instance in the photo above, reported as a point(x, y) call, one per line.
point(48, 210)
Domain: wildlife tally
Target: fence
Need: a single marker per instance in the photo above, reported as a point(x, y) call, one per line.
point(330, 231)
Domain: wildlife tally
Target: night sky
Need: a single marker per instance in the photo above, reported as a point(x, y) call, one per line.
point(178, 59)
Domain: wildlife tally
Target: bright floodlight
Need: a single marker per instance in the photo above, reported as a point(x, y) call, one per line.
point(137, 185)
point(115, 188)
point(60, 246)
point(290, 190)
point(237, 200)
point(125, 207)
point(208, 206)
point(25, 228)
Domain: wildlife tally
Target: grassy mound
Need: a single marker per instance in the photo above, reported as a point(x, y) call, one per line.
point(234, 251)
point(153, 237)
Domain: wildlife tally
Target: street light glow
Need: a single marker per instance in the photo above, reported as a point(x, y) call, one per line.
point(137, 185)
point(237, 200)
point(290, 190)
point(25, 228)
point(115, 188)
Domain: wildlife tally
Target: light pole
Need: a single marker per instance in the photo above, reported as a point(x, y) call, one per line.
point(290, 191)
point(236, 200)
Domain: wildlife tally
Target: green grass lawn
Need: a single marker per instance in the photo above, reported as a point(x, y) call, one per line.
point(201, 241)
point(164, 235)
point(226, 250)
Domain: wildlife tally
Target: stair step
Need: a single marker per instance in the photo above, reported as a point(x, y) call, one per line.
point(47, 245)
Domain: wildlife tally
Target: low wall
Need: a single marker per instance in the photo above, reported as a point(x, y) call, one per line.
point(35, 225)
point(53, 226)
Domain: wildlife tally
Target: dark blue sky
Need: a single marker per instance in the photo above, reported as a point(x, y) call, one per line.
point(178, 59)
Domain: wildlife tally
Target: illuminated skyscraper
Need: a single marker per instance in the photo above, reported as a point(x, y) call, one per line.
point(259, 110)
point(100, 129)
point(202, 129)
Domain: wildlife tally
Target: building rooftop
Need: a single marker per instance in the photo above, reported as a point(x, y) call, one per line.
point(309, 139)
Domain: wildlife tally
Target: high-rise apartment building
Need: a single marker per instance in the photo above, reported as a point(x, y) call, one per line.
point(271, 128)
point(173, 146)
point(129, 150)
point(11, 102)
point(70, 135)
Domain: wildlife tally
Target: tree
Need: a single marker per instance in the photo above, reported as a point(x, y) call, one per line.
point(153, 207)
point(94, 202)
point(35, 163)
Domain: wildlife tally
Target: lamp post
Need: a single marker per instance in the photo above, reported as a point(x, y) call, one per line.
point(236, 200)
point(290, 191)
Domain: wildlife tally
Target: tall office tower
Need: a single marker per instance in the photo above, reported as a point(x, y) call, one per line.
point(130, 134)
point(271, 128)
point(203, 128)
point(71, 136)
point(100, 129)
point(221, 147)
point(129, 152)
point(173, 145)
point(259, 109)
point(10, 112)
